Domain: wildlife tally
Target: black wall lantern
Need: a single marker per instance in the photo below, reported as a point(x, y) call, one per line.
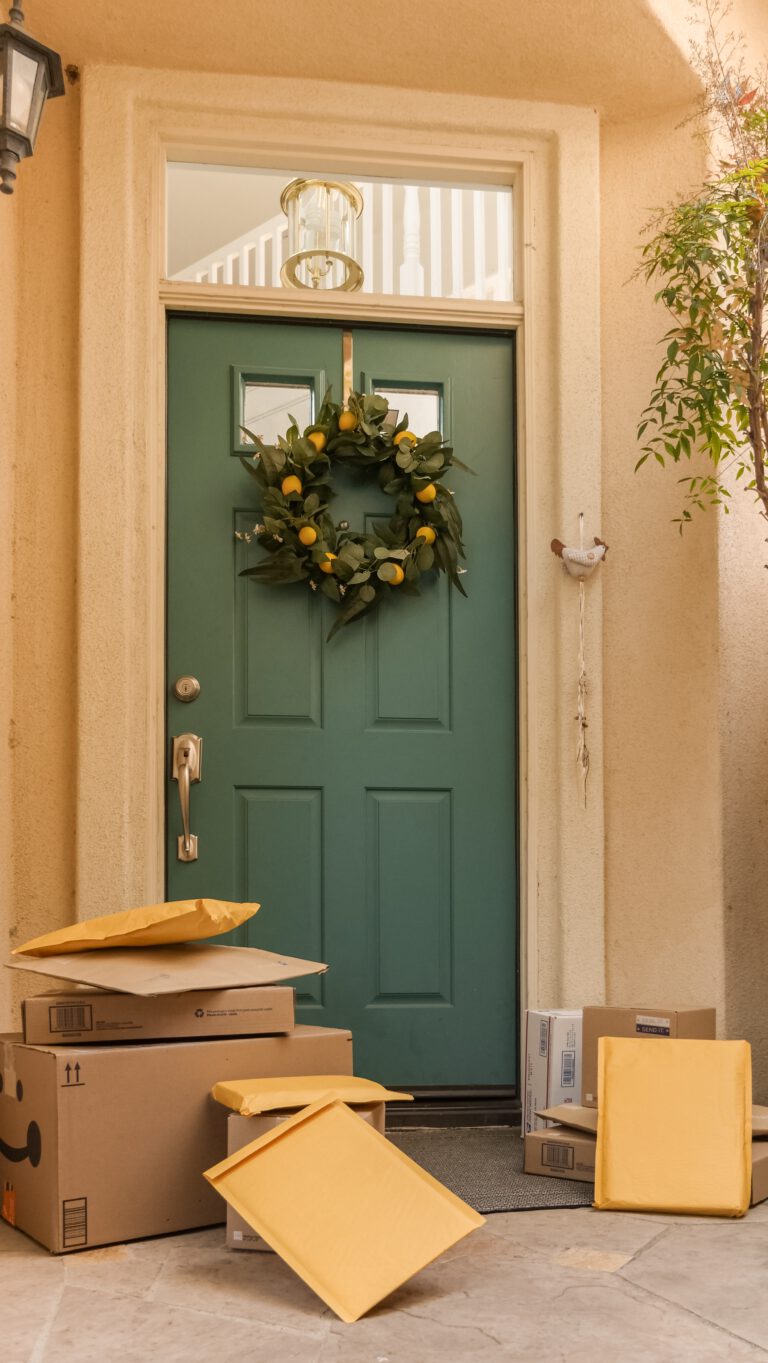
point(29, 75)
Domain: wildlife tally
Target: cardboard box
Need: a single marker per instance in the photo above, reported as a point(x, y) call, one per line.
point(552, 1061)
point(561, 1152)
point(242, 1130)
point(93, 1015)
point(685, 1024)
point(108, 1143)
point(759, 1172)
point(578, 1133)
point(170, 970)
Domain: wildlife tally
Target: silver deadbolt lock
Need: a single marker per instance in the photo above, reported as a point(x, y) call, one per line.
point(186, 689)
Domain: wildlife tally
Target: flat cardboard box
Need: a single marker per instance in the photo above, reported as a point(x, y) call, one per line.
point(108, 1143)
point(90, 1016)
point(573, 1115)
point(561, 1152)
point(170, 970)
point(686, 1024)
point(242, 1130)
point(345, 1209)
point(552, 1061)
point(586, 1118)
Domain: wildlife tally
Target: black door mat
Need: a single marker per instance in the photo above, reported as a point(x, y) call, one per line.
point(484, 1166)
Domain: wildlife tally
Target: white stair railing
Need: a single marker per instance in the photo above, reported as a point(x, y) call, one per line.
point(459, 240)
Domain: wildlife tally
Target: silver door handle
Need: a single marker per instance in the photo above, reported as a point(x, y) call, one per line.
point(185, 768)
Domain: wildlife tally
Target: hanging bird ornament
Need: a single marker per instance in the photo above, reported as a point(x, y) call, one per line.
point(581, 563)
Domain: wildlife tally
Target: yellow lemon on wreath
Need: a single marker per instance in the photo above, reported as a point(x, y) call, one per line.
point(307, 535)
point(405, 435)
point(391, 573)
point(318, 440)
point(347, 421)
point(427, 494)
point(327, 565)
point(290, 484)
point(426, 533)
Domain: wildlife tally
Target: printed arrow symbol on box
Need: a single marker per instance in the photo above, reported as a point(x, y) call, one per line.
point(68, 1070)
point(77, 1072)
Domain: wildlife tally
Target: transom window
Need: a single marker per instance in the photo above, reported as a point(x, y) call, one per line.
point(225, 226)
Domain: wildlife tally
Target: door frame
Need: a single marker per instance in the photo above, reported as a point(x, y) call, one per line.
point(132, 122)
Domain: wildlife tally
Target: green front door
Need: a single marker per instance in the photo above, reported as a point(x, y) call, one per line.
point(363, 790)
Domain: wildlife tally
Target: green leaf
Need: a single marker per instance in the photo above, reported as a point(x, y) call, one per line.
point(249, 467)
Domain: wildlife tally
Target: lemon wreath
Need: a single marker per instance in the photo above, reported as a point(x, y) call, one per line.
point(356, 569)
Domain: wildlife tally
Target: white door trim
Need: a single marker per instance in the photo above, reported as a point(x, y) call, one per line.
point(131, 121)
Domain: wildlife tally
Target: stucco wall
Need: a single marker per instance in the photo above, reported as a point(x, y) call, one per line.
point(743, 719)
point(42, 807)
point(664, 928)
point(8, 261)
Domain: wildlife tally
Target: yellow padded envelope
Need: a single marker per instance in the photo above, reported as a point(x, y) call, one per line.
point(347, 1210)
point(249, 1097)
point(184, 920)
point(674, 1126)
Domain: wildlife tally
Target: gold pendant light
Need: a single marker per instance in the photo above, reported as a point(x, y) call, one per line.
point(322, 235)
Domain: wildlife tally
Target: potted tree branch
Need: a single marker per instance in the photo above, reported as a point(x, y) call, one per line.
point(707, 254)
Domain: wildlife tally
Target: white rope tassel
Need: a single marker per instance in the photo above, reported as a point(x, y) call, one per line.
point(582, 750)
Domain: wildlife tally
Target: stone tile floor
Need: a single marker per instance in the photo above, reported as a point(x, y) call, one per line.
point(573, 1286)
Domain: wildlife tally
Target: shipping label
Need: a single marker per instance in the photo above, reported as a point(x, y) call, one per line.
point(650, 1026)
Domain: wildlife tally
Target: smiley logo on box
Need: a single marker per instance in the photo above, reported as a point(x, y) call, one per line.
point(33, 1148)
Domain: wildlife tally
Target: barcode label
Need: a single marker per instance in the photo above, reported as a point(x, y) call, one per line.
point(74, 1222)
point(70, 1017)
point(556, 1156)
point(568, 1069)
point(543, 1036)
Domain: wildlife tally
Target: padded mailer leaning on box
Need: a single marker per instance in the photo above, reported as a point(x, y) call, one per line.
point(674, 1129)
point(184, 920)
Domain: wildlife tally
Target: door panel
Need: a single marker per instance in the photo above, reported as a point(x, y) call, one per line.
point(363, 790)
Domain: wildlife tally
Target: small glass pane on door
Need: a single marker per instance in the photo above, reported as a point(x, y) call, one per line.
point(421, 404)
point(268, 408)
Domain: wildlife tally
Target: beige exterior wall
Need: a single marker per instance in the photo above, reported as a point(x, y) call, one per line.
point(664, 928)
point(685, 740)
point(9, 252)
point(42, 500)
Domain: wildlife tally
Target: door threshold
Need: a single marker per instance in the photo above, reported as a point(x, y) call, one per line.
point(454, 1107)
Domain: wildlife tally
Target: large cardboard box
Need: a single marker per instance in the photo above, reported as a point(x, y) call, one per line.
point(242, 1130)
point(552, 1061)
point(106, 1143)
point(94, 1015)
point(687, 1024)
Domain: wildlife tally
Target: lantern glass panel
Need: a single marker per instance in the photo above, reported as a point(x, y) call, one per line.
point(22, 76)
point(38, 103)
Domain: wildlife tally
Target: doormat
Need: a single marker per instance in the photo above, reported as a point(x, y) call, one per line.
point(484, 1166)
